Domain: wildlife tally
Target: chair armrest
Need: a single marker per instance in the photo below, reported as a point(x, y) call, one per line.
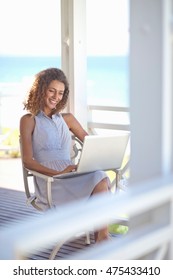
point(48, 180)
point(40, 175)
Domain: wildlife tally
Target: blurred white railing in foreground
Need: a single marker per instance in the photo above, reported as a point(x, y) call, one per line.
point(153, 237)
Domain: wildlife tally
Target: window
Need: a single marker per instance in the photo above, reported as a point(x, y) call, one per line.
point(107, 52)
point(30, 42)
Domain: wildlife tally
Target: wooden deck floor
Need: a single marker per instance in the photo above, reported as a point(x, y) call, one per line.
point(13, 209)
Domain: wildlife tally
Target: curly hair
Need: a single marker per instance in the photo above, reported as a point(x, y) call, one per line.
point(36, 94)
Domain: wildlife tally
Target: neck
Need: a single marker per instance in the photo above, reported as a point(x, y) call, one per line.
point(49, 113)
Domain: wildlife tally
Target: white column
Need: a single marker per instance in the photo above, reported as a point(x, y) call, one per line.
point(151, 101)
point(73, 13)
point(167, 104)
point(150, 89)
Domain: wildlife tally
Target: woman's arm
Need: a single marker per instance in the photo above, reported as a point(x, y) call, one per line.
point(27, 124)
point(74, 126)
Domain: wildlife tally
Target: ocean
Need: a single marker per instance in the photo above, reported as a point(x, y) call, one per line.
point(107, 82)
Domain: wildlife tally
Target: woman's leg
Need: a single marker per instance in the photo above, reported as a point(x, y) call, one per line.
point(101, 187)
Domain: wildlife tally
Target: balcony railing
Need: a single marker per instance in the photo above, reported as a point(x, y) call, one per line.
point(108, 117)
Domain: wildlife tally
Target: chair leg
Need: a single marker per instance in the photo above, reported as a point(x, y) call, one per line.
point(58, 246)
point(87, 238)
point(56, 249)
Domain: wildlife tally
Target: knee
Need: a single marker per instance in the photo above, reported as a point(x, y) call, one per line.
point(102, 186)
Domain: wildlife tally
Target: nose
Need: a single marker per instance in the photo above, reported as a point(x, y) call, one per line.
point(55, 95)
point(58, 96)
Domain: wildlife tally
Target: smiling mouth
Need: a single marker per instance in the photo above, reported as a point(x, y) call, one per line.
point(53, 102)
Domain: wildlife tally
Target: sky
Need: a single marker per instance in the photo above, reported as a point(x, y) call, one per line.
point(29, 27)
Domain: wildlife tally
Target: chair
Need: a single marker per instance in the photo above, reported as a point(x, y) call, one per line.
point(27, 174)
point(75, 155)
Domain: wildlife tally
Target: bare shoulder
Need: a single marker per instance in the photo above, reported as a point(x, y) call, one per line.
point(74, 126)
point(28, 121)
point(27, 118)
point(69, 118)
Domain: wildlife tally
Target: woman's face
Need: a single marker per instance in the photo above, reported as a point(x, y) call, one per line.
point(54, 95)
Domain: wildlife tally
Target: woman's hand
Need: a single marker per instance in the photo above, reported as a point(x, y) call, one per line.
point(69, 168)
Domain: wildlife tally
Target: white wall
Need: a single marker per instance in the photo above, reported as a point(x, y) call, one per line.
point(150, 89)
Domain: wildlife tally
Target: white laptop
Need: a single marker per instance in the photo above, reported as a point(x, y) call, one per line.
point(100, 153)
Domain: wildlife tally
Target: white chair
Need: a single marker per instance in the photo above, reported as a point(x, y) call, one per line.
point(27, 174)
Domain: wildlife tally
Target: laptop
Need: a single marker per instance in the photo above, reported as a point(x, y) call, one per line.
point(100, 153)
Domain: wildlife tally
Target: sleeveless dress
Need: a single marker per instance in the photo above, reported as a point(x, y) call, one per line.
point(52, 148)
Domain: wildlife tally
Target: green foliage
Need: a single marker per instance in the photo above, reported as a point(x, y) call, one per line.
point(10, 142)
point(118, 229)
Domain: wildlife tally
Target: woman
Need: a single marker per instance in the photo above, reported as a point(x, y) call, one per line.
point(46, 143)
